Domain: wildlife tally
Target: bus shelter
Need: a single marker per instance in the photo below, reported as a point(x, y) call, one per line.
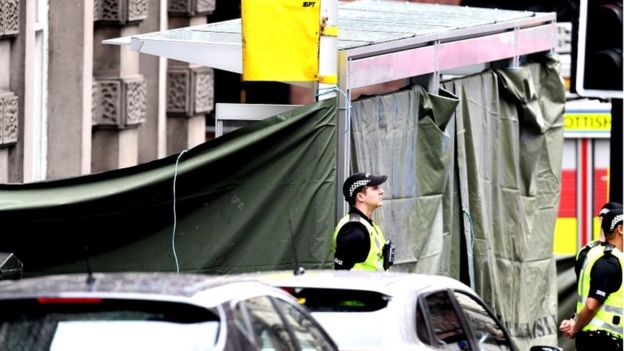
point(379, 42)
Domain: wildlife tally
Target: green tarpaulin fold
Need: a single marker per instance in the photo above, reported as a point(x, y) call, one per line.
point(408, 136)
point(259, 198)
point(509, 147)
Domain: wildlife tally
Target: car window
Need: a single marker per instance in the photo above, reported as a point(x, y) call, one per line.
point(89, 324)
point(242, 321)
point(487, 331)
point(309, 336)
point(445, 322)
point(421, 326)
point(339, 300)
point(268, 328)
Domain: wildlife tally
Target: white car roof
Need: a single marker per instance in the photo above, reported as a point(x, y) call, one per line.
point(201, 290)
point(389, 283)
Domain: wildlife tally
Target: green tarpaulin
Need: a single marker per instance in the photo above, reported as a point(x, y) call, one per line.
point(408, 136)
point(258, 198)
point(509, 146)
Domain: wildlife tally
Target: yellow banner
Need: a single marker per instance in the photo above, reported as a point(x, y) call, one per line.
point(280, 40)
point(587, 121)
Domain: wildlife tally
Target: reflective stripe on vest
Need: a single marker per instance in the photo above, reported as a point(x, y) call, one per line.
point(588, 247)
point(612, 309)
point(374, 260)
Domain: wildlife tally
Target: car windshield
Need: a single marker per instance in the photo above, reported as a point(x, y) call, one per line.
point(96, 324)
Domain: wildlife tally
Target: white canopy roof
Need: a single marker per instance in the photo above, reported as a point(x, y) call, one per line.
point(429, 37)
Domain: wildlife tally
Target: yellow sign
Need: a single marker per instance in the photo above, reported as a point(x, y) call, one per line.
point(587, 121)
point(281, 40)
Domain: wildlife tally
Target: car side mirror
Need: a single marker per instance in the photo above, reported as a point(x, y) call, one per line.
point(546, 348)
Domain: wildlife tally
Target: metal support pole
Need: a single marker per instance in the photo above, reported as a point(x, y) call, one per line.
point(343, 133)
point(434, 79)
point(328, 50)
point(515, 63)
point(616, 193)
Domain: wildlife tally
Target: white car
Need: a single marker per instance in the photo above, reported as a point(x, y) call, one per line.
point(396, 311)
point(153, 311)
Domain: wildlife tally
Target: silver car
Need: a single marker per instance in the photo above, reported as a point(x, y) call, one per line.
point(397, 311)
point(153, 311)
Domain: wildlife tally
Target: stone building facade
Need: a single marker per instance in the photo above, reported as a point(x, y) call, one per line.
point(70, 105)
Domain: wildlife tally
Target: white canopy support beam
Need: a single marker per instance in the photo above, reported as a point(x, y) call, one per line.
point(453, 54)
point(224, 56)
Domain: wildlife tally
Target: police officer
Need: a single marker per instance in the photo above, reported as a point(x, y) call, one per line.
point(358, 243)
point(580, 257)
point(598, 323)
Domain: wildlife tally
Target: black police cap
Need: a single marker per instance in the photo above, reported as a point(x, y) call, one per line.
point(611, 219)
point(358, 180)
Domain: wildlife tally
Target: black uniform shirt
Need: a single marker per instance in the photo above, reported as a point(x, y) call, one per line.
point(352, 243)
point(605, 277)
point(578, 265)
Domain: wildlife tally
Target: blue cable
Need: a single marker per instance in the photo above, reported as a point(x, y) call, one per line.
point(175, 176)
point(471, 273)
point(347, 100)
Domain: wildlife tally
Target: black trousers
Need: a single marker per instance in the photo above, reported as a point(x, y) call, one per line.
point(597, 341)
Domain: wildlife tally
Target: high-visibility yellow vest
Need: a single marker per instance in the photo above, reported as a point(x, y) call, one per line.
point(609, 316)
point(374, 260)
point(588, 247)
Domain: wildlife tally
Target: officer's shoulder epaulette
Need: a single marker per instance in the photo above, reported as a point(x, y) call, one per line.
point(585, 249)
point(593, 244)
point(608, 250)
point(354, 217)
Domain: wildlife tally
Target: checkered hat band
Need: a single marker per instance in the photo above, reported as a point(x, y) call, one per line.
point(356, 185)
point(617, 219)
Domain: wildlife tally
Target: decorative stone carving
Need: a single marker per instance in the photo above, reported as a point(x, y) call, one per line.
point(190, 91)
point(95, 101)
point(204, 90)
point(136, 92)
point(9, 18)
point(107, 103)
point(119, 102)
point(178, 83)
point(97, 10)
point(191, 7)
point(8, 118)
point(119, 11)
